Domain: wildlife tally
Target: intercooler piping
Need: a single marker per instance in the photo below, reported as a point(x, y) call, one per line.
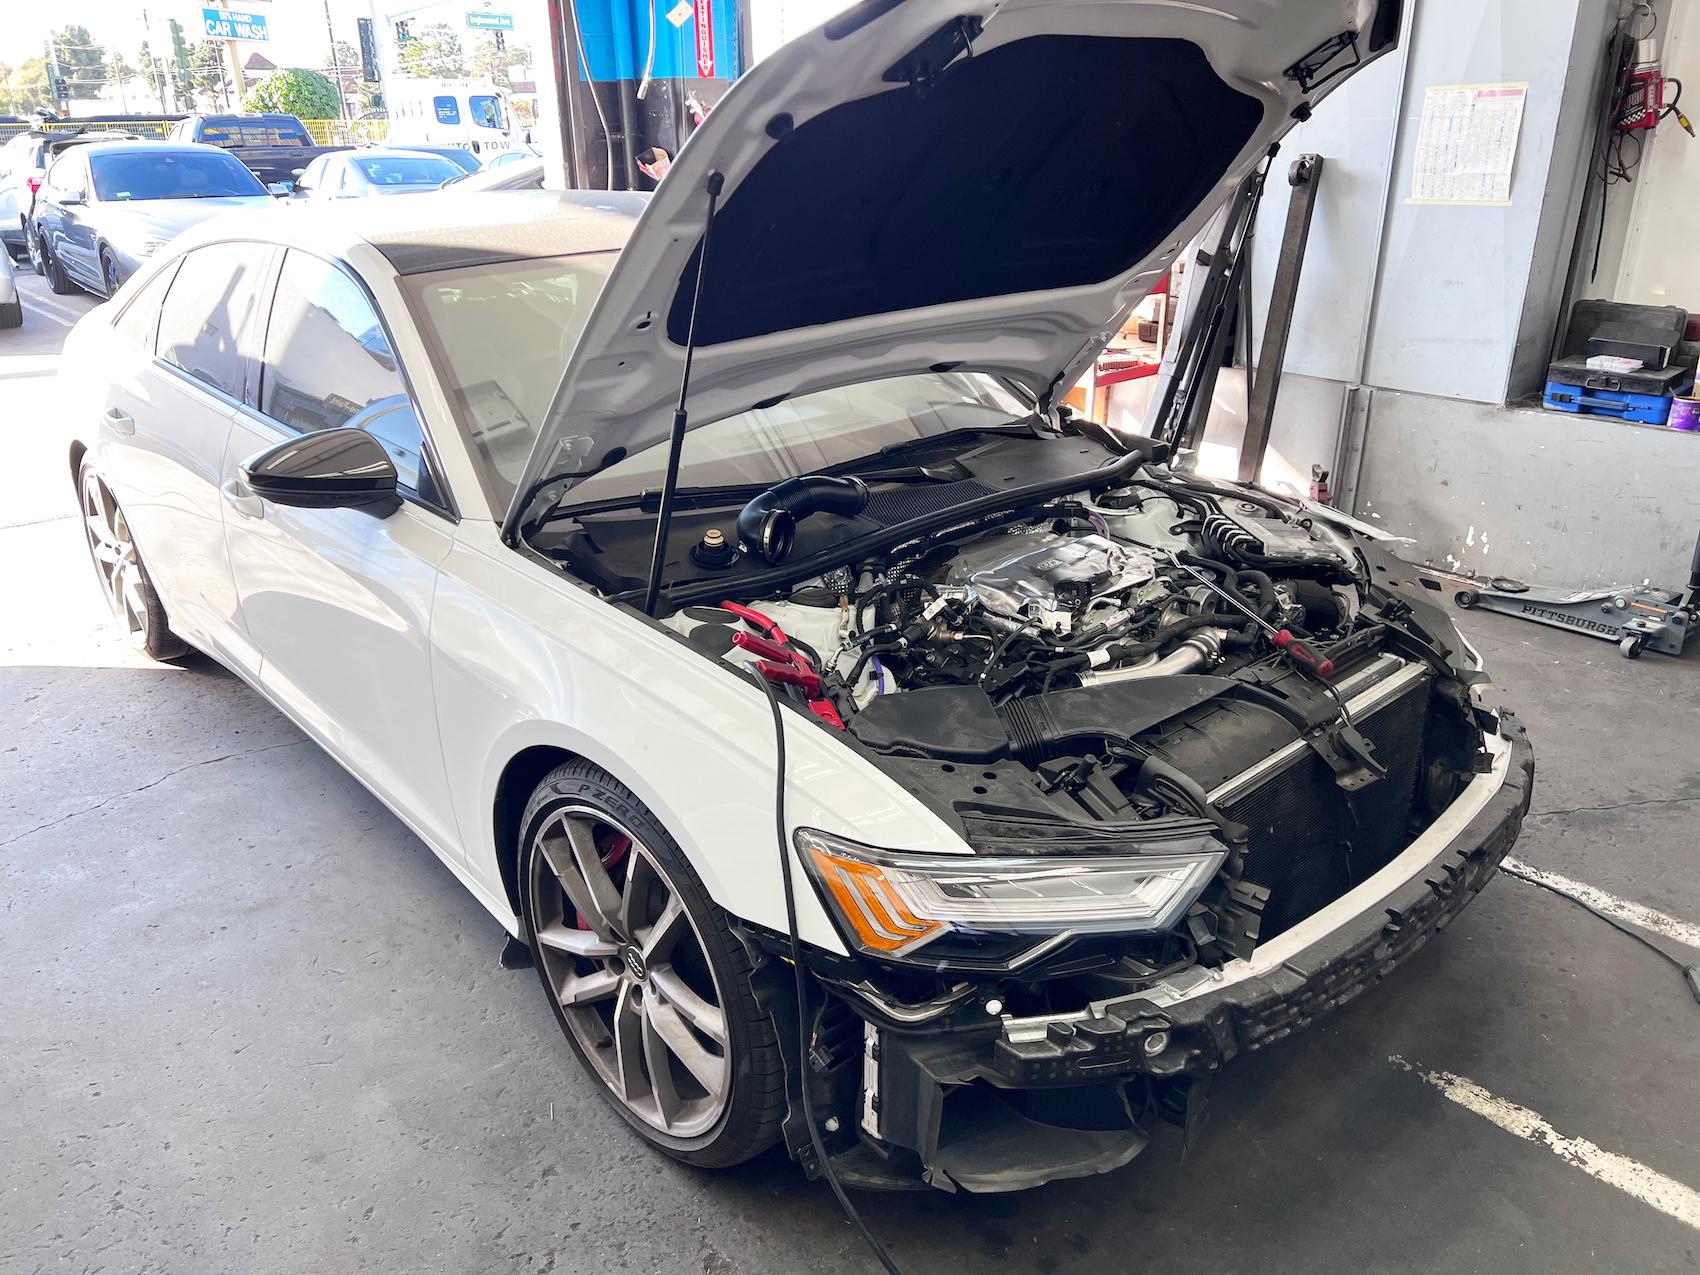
point(1199, 650)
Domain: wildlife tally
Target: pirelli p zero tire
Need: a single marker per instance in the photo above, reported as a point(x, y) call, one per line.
point(123, 578)
point(649, 984)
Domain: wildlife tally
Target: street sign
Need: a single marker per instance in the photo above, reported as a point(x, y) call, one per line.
point(490, 21)
point(222, 24)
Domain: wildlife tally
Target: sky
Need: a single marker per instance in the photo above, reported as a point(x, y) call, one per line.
point(297, 27)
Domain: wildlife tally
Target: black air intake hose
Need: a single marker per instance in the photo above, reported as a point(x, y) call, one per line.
point(768, 524)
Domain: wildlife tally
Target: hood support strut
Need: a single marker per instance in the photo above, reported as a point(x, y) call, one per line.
point(681, 417)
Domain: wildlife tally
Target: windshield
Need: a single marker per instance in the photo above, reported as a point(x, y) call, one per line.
point(501, 334)
point(166, 174)
point(815, 432)
point(466, 161)
point(254, 133)
point(486, 111)
point(408, 170)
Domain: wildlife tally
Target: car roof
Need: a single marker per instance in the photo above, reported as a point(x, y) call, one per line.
point(443, 230)
point(152, 148)
point(383, 152)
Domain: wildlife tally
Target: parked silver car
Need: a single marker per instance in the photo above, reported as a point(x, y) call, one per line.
point(355, 174)
point(24, 160)
point(102, 210)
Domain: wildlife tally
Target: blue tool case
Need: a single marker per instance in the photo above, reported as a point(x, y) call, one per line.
point(1649, 409)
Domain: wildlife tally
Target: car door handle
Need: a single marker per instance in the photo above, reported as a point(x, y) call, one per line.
point(121, 423)
point(242, 499)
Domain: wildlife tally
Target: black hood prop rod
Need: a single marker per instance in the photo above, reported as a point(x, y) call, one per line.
point(681, 417)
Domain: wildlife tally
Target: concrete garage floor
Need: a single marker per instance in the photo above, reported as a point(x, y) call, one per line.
point(248, 1023)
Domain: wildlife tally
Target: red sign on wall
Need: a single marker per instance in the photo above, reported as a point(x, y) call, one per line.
point(705, 38)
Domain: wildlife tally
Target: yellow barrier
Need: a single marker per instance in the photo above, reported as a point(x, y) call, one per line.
point(142, 128)
point(323, 132)
point(347, 132)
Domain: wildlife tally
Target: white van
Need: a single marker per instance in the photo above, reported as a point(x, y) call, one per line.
point(456, 112)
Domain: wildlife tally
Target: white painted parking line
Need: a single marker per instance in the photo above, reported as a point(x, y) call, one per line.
point(1651, 1187)
point(1621, 909)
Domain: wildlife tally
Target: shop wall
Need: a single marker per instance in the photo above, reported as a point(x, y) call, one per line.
point(1454, 288)
point(1453, 310)
point(1559, 500)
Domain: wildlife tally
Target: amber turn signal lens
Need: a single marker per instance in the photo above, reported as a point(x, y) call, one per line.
point(869, 904)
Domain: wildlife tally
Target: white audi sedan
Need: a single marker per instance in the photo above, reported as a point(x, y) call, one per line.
point(870, 756)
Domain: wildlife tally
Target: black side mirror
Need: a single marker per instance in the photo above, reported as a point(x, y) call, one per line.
point(329, 469)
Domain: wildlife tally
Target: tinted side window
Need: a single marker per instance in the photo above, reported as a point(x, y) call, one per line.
point(66, 174)
point(448, 110)
point(329, 364)
point(208, 310)
point(140, 319)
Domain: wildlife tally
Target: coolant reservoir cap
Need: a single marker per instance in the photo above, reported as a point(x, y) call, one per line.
point(713, 550)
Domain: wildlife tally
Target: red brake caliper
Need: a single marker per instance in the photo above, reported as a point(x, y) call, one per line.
point(612, 852)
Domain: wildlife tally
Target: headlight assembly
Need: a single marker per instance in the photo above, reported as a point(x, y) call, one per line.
point(890, 903)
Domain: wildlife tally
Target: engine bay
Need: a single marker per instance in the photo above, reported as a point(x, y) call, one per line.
point(1152, 654)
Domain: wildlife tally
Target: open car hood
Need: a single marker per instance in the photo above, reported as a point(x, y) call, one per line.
point(930, 184)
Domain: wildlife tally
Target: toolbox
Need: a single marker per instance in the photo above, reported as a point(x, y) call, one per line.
point(1649, 333)
point(1648, 409)
point(1574, 371)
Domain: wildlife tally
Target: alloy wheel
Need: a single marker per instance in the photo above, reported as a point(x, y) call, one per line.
point(627, 966)
point(115, 560)
point(109, 273)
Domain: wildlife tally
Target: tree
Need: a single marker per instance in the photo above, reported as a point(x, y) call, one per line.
point(295, 91)
point(347, 57)
point(119, 67)
point(81, 60)
point(28, 87)
point(153, 72)
point(354, 84)
point(119, 73)
point(433, 51)
point(492, 63)
point(206, 67)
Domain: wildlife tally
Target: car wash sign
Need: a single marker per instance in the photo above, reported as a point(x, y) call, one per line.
point(222, 24)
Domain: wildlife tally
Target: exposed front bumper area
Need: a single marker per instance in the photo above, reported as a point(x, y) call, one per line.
point(1018, 1102)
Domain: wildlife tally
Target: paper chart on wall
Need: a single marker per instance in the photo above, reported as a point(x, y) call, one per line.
point(1467, 143)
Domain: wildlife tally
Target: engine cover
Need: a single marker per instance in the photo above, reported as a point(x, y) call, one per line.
point(1049, 578)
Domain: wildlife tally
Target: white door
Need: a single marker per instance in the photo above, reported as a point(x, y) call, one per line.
point(179, 371)
point(339, 600)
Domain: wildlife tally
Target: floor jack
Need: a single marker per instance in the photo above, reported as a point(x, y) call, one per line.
point(1637, 617)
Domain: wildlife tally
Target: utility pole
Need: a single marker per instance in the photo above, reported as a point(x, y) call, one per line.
point(155, 70)
point(53, 75)
point(235, 60)
point(336, 67)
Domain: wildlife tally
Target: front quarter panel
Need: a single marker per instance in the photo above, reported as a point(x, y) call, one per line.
point(522, 657)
